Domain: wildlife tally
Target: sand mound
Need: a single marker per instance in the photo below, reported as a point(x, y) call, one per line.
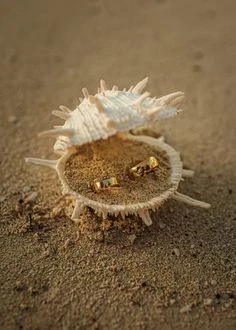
point(114, 157)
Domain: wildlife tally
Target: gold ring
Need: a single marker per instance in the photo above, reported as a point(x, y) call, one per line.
point(97, 185)
point(145, 167)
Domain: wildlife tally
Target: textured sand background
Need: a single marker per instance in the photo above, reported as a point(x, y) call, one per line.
point(177, 274)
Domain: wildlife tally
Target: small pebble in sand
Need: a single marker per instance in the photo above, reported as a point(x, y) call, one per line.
point(213, 282)
point(99, 237)
point(2, 198)
point(12, 119)
point(208, 302)
point(132, 238)
point(205, 284)
point(186, 308)
point(176, 252)
point(19, 286)
point(26, 189)
point(67, 243)
point(24, 306)
point(228, 304)
point(31, 197)
point(45, 254)
point(162, 225)
point(172, 301)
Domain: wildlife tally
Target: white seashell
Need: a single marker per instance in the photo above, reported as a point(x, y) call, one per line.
point(108, 113)
point(112, 111)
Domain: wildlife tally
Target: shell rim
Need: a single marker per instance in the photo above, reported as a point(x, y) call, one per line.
point(176, 167)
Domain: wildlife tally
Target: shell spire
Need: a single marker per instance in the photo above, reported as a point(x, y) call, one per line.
point(168, 99)
point(43, 162)
point(163, 107)
point(141, 98)
point(145, 216)
point(61, 114)
point(85, 92)
point(131, 88)
point(94, 100)
point(58, 131)
point(115, 88)
point(190, 201)
point(103, 85)
point(140, 86)
point(64, 109)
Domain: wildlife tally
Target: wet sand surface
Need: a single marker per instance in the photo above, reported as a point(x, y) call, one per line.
point(180, 272)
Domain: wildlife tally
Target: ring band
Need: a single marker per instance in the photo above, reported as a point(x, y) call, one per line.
point(145, 167)
point(97, 185)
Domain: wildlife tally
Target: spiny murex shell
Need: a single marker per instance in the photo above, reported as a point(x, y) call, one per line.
point(113, 112)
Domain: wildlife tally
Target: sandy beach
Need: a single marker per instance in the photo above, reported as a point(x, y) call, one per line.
point(178, 273)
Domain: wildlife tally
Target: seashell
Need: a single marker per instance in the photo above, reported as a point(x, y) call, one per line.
point(95, 133)
point(109, 112)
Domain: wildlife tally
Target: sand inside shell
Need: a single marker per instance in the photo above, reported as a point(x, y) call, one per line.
point(113, 157)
